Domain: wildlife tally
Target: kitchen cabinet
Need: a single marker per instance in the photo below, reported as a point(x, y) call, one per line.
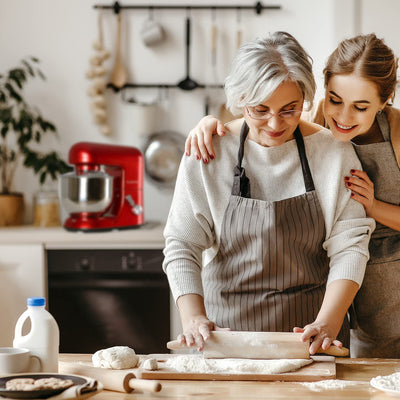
point(21, 276)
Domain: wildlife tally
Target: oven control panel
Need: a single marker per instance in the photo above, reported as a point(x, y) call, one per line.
point(105, 260)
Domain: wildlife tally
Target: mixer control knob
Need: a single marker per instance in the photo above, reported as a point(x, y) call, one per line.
point(137, 209)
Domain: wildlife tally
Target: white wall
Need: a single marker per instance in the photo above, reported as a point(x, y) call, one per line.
point(60, 33)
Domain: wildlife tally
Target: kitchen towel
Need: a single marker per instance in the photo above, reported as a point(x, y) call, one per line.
point(88, 389)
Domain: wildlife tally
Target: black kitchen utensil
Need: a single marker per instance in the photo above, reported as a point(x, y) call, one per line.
point(188, 83)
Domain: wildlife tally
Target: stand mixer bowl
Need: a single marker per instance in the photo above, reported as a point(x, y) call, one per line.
point(89, 192)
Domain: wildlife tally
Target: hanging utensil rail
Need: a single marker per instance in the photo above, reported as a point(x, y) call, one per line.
point(116, 7)
point(161, 86)
point(258, 7)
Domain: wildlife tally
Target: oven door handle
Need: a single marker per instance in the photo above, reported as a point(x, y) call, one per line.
point(108, 283)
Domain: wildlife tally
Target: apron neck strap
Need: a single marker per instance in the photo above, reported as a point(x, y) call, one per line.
point(241, 183)
point(308, 180)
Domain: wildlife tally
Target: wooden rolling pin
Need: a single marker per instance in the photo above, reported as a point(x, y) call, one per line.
point(112, 379)
point(258, 345)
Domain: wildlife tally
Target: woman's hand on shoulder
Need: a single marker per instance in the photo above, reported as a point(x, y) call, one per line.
point(199, 140)
point(362, 189)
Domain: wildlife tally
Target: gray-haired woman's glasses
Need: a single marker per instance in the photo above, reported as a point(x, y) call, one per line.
point(256, 114)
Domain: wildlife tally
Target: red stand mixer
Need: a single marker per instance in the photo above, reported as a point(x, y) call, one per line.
point(105, 190)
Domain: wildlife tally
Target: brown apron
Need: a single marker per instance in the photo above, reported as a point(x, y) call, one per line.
point(376, 322)
point(271, 270)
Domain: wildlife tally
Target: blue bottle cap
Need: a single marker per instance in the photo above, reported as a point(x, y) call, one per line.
point(36, 301)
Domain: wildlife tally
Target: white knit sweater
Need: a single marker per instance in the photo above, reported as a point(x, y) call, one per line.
point(202, 192)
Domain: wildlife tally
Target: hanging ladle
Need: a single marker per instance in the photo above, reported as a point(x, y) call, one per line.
point(119, 74)
point(188, 83)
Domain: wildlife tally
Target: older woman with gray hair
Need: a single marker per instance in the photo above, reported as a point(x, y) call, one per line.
point(267, 238)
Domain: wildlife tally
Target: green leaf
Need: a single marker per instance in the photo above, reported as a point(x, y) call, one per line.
point(28, 68)
point(26, 118)
point(50, 126)
point(41, 74)
point(4, 131)
point(42, 177)
point(12, 92)
point(5, 115)
point(18, 75)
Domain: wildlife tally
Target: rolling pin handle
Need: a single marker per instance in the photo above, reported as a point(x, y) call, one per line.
point(142, 384)
point(334, 351)
point(175, 345)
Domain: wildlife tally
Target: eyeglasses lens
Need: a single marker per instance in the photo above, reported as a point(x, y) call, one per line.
point(253, 113)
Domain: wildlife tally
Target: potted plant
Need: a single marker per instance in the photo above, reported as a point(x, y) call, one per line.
point(22, 128)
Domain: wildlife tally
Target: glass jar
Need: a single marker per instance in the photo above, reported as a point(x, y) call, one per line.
point(47, 210)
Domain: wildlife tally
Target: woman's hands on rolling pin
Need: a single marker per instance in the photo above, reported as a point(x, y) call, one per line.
point(199, 141)
point(323, 331)
point(195, 324)
point(362, 189)
point(320, 335)
point(197, 331)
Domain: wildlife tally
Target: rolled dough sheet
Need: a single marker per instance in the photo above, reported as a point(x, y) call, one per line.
point(194, 363)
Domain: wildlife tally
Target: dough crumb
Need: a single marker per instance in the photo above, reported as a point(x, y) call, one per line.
point(150, 364)
point(117, 357)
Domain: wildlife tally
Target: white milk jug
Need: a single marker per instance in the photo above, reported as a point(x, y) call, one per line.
point(44, 337)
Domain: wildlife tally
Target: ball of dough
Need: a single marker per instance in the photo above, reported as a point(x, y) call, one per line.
point(117, 357)
point(150, 364)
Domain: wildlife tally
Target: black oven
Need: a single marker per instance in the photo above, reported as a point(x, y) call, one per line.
point(109, 297)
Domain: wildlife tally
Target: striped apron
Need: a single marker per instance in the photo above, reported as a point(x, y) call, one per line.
point(270, 271)
point(376, 330)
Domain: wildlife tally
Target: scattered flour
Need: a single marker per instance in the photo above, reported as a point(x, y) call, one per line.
point(330, 384)
point(193, 363)
point(388, 382)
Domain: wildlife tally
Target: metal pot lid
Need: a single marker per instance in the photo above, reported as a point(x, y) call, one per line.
point(162, 153)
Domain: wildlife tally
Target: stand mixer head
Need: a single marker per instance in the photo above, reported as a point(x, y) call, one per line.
point(105, 190)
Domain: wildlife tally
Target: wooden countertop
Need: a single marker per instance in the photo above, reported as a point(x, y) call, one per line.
point(350, 369)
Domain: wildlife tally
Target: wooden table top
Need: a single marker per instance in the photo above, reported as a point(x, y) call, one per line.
point(359, 371)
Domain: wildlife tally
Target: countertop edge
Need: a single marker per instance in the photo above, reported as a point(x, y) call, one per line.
point(150, 235)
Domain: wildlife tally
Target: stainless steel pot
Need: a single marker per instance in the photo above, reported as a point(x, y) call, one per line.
point(90, 192)
point(162, 153)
